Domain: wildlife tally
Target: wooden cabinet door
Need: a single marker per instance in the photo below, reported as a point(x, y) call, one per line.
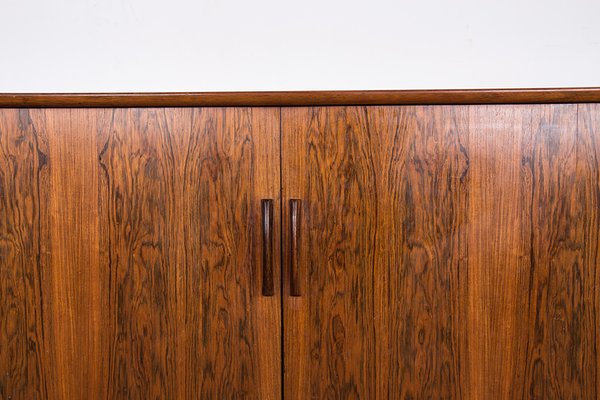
point(441, 252)
point(131, 254)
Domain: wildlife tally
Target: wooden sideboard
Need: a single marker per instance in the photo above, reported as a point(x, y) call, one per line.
point(335, 245)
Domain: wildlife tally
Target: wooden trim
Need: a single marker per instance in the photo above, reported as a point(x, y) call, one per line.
point(303, 98)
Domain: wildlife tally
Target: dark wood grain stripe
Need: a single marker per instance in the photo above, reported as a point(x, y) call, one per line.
point(23, 258)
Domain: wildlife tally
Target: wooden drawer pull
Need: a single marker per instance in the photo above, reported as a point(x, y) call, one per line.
point(268, 287)
point(295, 214)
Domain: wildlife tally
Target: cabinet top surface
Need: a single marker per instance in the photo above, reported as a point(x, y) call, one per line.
point(302, 98)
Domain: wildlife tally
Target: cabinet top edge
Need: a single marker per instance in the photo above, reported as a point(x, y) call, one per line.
point(302, 98)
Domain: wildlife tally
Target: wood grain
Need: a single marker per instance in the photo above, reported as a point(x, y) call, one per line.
point(382, 188)
point(588, 191)
point(449, 252)
point(76, 305)
point(183, 195)
point(561, 353)
point(130, 254)
point(24, 259)
point(531, 286)
point(303, 98)
point(443, 252)
point(497, 265)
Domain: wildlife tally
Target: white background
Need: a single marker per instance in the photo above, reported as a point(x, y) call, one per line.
point(232, 45)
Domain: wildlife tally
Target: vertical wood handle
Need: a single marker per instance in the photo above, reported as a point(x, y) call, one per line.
point(268, 287)
point(295, 214)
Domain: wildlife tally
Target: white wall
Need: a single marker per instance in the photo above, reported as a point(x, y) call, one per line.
point(230, 45)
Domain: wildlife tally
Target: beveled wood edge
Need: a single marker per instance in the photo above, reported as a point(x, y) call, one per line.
point(301, 98)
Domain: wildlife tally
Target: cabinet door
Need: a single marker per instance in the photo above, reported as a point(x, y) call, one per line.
point(131, 254)
point(441, 252)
